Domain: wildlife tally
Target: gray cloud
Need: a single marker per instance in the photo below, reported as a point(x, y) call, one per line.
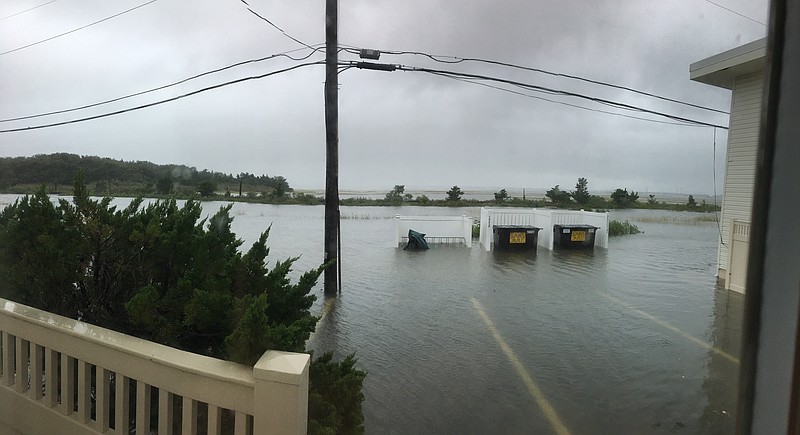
point(396, 128)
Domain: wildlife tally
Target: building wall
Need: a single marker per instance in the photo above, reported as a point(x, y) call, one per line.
point(740, 167)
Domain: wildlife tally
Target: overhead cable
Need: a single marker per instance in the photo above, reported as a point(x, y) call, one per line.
point(276, 27)
point(79, 28)
point(683, 124)
point(158, 88)
point(555, 92)
point(156, 103)
point(456, 59)
point(734, 12)
point(29, 9)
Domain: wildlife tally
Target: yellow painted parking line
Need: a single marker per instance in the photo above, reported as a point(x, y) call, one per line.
point(536, 392)
point(666, 325)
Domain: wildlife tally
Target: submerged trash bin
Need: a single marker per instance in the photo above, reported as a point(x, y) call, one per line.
point(516, 237)
point(579, 236)
point(416, 240)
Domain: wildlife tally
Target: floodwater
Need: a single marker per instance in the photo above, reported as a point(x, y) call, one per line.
point(635, 339)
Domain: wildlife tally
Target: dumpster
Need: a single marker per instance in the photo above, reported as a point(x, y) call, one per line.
point(574, 236)
point(516, 237)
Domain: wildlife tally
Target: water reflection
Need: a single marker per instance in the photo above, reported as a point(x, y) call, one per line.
point(721, 383)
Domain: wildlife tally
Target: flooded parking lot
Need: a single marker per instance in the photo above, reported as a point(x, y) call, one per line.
point(633, 339)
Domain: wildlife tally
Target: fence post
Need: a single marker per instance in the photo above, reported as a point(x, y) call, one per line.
point(281, 393)
point(397, 235)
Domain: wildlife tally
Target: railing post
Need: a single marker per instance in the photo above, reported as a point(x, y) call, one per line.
point(281, 393)
point(67, 384)
point(51, 377)
point(189, 422)
point(165, 412)
point(214, 420)
point(122, 404)
point(84, 391)
point(143, 393)
point(102, 398)
point(9, 351)
point(37, 358)
point(23, 351)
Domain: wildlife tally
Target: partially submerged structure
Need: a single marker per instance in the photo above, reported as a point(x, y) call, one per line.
point(741, 71)
point(546, 219)
point(437, 229)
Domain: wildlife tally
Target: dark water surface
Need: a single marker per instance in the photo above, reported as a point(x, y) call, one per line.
point(635, 339)
point(630, 340)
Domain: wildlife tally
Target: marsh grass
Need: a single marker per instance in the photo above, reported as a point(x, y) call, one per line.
point(681, 220)
point(617, 228)
point(363, 216)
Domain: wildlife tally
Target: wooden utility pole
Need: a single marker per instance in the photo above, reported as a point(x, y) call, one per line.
point(331, 145)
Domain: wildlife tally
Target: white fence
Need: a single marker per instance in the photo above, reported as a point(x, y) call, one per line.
point(437, 229)
point(544, 219)
point(57, 374)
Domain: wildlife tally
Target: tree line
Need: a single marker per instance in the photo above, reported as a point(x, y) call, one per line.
point(580, 197)
point(117, 177)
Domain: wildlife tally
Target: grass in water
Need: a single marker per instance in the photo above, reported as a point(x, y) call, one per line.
point(617, 228)
point(703, 218)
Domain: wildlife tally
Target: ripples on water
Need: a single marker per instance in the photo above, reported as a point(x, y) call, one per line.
point(570, 317)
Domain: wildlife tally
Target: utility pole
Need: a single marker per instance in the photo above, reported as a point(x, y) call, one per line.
point(331, 146)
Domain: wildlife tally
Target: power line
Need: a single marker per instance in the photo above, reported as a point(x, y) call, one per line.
point(29, 9)
point(553, 92)
point(156, 103)
point(683, 124)
point(158, 88)
point(456, 59)
point(276, 27)
point(734, 12)
point(79, 28)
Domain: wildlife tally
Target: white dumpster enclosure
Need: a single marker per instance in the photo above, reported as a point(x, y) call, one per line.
point(437, 229)
point(544, 219)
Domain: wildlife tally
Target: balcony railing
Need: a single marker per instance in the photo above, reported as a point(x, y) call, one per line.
point(59, 375)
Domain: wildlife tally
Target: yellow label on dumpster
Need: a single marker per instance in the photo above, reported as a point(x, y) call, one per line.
point(517, 237)
point(578, 236)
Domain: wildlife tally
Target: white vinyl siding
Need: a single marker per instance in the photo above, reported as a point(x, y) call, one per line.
point(740, 167)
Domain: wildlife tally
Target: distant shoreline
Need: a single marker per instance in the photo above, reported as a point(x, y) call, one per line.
point(300, 198)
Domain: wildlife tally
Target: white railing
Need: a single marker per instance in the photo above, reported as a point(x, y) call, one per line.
point(57, 376)
point(544, 219)
point(437, 229)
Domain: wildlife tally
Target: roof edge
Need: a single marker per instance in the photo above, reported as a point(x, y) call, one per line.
point(721, 69)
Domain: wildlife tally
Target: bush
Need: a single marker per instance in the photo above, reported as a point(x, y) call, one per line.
point(617, 228)
point(163, 273)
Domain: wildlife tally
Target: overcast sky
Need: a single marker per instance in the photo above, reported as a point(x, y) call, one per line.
point(397, 127)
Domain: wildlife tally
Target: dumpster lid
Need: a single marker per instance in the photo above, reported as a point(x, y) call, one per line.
point(516, 227)
point(576, 226)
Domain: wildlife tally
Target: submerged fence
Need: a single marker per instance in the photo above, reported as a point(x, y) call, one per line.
point(59, 375)
point(544, 219)
point(437, 229)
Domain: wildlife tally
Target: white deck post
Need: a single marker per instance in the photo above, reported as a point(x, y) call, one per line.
point(281, 393)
